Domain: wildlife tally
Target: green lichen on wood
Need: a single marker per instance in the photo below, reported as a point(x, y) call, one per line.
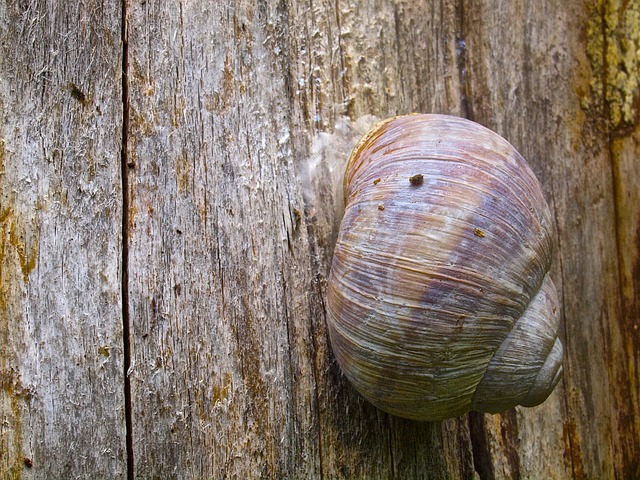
point(613, 48)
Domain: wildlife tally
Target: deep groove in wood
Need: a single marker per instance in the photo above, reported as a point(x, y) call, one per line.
point(126, 327)
point(479, 446)
point(461, 61)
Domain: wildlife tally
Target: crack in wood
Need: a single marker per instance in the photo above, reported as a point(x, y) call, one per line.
point(461, 61)
point(125, 166)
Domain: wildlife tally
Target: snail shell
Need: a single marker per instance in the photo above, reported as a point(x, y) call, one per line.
point(439, 296)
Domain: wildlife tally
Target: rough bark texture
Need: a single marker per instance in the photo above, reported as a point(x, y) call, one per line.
point(61, 355)
point(209, 239)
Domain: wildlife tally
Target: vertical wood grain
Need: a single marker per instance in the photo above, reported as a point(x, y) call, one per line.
point(239, 119)
point(232, 231)
point(61, 360)
point(232, 373)
point(534, 79)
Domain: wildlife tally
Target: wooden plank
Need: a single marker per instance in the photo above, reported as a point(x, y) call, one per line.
point(232, 373)
point(624, 367)
point(222, 381)
point(241, 118)
point(621, 36)
point(61, 358)
point(517, 70)
point(534, 78)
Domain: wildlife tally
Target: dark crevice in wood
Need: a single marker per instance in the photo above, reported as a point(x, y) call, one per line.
point(126, 326)
point(390, 432)
point(461, 61)
point(565, 337)
point(480, 447)
point(317, 362)
point(509, 434)
point(347, 104)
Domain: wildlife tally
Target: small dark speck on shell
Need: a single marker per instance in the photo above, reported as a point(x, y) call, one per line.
point(478, 233)
point(381, 207)
point(417, 179)
point(376, 181)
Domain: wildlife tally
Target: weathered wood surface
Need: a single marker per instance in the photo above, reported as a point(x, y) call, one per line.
point(61, 356)
point(237, 119)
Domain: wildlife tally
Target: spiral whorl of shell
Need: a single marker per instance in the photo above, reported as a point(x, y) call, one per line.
point(439, 297)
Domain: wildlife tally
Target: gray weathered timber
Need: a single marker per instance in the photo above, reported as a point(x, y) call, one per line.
point(537, 89)
point(232, 374)
point(238, 120)
point(61, 357)
point(228, 104)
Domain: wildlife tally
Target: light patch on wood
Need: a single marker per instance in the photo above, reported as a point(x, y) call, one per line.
point(328, 159)
point(321, 173)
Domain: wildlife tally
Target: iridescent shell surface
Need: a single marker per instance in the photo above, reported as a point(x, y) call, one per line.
point(439, 298)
